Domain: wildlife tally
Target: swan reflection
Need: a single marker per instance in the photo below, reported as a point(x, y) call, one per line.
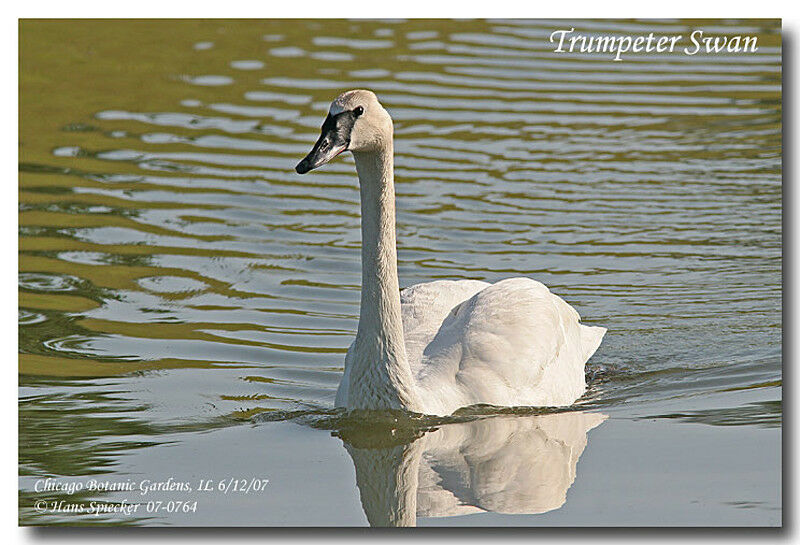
point(503, 464)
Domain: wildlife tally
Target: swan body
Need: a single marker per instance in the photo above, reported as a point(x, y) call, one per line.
point(439, 346)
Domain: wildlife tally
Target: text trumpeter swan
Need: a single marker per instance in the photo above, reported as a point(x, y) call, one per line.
point(439, 346)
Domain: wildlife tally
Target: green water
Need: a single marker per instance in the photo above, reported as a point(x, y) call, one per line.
point(186, 299)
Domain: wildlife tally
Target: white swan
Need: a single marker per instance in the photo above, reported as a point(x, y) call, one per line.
point(439, 346)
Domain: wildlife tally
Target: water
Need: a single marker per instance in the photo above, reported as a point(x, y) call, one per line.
point(186, 299)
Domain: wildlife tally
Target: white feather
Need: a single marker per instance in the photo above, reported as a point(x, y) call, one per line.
point(507, 344)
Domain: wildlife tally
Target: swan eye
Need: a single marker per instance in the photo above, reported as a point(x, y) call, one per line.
point(358, 111)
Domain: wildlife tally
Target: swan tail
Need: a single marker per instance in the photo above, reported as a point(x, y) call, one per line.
point(591, 337)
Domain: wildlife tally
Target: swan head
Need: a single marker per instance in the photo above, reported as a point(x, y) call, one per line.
point(356, 122)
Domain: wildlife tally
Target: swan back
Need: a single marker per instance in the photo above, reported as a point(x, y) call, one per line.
point(512, 343)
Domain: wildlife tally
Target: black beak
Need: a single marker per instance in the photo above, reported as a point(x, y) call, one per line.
point(327, 147)
point(335, 139)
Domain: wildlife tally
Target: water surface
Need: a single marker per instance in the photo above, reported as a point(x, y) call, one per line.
point(186, 299)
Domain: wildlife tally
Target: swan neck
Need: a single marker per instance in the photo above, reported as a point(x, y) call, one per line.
point(380, 287)
point(381, 377)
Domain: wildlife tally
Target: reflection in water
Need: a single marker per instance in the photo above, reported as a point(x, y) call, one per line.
point(507, 464)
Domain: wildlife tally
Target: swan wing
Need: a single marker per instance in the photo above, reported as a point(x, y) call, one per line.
point(425, 306)
point(511, 343)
